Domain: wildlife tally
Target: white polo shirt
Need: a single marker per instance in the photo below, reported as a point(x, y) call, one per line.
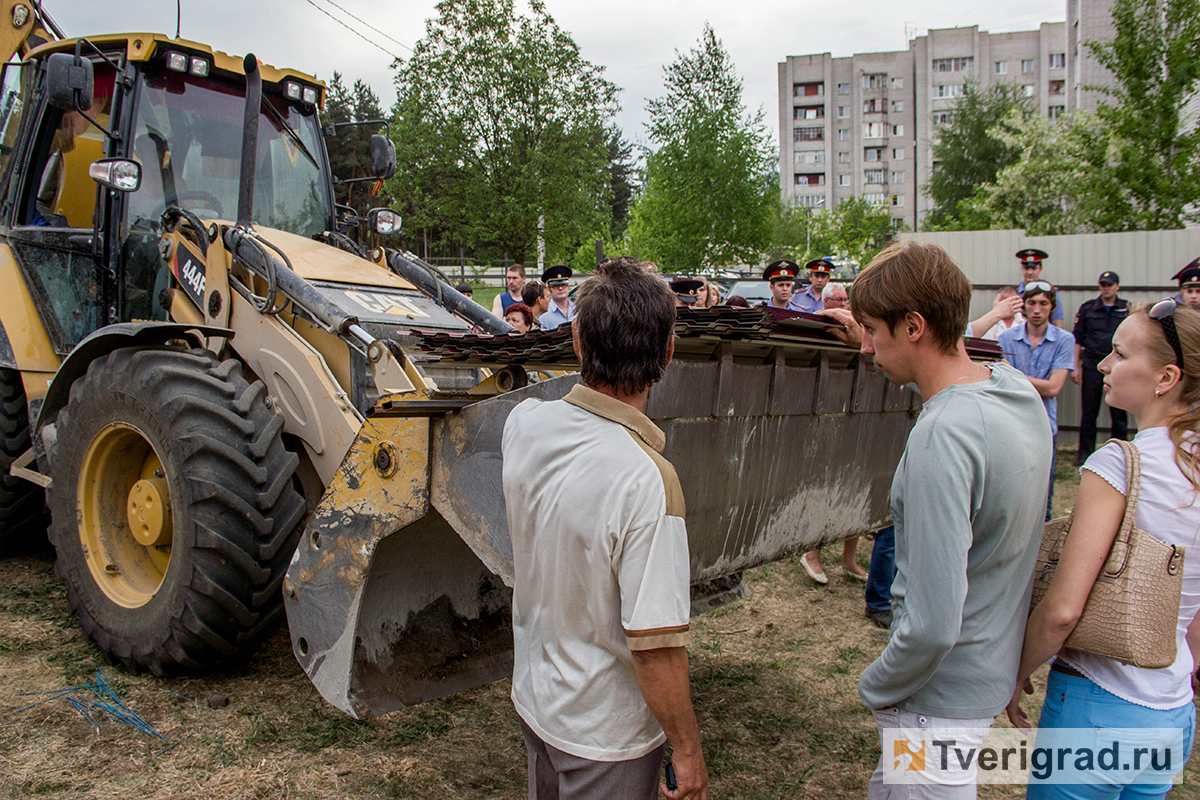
point(601, 565)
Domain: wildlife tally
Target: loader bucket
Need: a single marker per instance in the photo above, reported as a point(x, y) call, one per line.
point(400, 589)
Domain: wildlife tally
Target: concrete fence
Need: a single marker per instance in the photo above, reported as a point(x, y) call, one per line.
point(1145, 261)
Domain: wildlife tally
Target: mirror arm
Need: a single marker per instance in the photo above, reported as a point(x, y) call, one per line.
point(113, 135)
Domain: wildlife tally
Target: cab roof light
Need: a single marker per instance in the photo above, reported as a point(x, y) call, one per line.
point(198, 67)
point(291, 90)
point(177, 62)
point(310, 95)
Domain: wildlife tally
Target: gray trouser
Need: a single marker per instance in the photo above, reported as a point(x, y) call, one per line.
point(555, 775)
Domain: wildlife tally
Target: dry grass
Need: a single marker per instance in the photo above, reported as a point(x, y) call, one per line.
point(773, 678)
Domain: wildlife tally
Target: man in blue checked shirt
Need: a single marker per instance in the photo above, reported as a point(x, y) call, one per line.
point(1045, 353)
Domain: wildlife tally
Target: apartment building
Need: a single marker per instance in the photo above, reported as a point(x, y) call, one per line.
point(861, 125)
point(1087, 21)
point(946, 59)
point(847, 130)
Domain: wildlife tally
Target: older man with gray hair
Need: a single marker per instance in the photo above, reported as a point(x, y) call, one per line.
point(834, 296)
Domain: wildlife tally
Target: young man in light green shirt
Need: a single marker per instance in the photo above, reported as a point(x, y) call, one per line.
point(967, 499)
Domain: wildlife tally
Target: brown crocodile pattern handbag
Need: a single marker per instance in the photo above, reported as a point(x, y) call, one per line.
point(1133, 609)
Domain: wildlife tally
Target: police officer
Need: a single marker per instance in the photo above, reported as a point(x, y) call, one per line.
point(1031, 270)
point(810, 300)
point(782, 275)
point(1189, 284)
point(561, 310)
point(686, 291)
point(1095, 324)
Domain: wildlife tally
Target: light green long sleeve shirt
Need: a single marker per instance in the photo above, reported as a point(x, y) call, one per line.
point(968, 500)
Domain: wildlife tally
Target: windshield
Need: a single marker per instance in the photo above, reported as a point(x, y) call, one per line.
point(188, 138)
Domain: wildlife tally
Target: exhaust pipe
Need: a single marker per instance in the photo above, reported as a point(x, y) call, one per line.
point(245, 208)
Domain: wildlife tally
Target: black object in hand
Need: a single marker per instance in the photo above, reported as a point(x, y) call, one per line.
point(671, 782)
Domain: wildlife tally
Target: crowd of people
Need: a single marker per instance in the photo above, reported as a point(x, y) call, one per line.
point(601, 584)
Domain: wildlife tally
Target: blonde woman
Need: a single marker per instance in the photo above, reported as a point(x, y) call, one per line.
point(1153, 372)
point(709, 295)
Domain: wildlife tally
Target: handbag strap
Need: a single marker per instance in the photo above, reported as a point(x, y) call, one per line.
point(1133, 486)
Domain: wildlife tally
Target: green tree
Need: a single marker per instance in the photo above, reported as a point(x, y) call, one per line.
point(858, 230)
point(1057, 185)
point(800, 234)
point(350, 148)
point(967, 154)
point(620, 168)
point(500, 130)
point(1154, 156)
point(708, 195)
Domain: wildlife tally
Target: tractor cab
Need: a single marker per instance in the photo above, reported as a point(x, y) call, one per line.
point(175, 110)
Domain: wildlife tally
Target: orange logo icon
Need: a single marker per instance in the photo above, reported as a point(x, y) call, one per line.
point(905, 758)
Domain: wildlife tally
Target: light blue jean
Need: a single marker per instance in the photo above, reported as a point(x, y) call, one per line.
point(1074, 702)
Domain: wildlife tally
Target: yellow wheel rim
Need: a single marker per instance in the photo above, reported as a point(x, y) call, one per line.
point(125, 523)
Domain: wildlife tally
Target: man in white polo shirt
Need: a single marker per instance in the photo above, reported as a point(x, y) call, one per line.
point(600, 554)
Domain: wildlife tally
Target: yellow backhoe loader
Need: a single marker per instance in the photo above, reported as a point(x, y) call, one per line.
point(231, 408)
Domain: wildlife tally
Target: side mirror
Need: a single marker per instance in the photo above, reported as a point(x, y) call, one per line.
point(69, 82)
point(383, 221)
point(120, 174)
point(383, 157)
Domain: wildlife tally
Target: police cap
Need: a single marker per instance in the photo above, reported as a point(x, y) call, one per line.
point(686, 289)
point(1031, 255)
point(558, 275)
point(782, 270)
point(1108, 276)
point(823, 264)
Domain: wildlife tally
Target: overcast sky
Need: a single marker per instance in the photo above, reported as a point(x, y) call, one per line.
point(633, 39)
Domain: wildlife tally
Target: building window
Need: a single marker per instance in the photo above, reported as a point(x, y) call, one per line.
point(872, 154)
point(949, 90)
point(808, 200)
point(1027, 65)
point(1054, 112)
point(953, 64)
point(897, 177)
point(843, 180)
point(1028, 90)
point(898, 153)
point(809, 157)
point(809, 135)
point(844, 157)
point(897, 200)
point(811, 179)
point(874, 130)
point(1057, 87)
point(875, 175)
point(897, 83)
point(897, 130)
point(843, 112)
point(875, 198)
point(843, 134)
point(809, 112)
point(814, 89)
point(897, 106)
point(1001, 68)
point(873, 106)
point(874, 81)
point(942, 117)
point(1058, 60)
point(843, 88)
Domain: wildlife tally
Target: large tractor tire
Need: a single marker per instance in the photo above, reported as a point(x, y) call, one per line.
point(173, 509)
point(22, 504)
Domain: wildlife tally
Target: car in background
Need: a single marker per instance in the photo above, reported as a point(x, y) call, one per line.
point(755, 291)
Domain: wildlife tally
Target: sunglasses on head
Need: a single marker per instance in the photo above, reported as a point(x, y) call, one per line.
point(1164, 312)
point(1039, 285)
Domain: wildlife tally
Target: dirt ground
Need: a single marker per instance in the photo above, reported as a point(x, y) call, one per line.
point(773, 680)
